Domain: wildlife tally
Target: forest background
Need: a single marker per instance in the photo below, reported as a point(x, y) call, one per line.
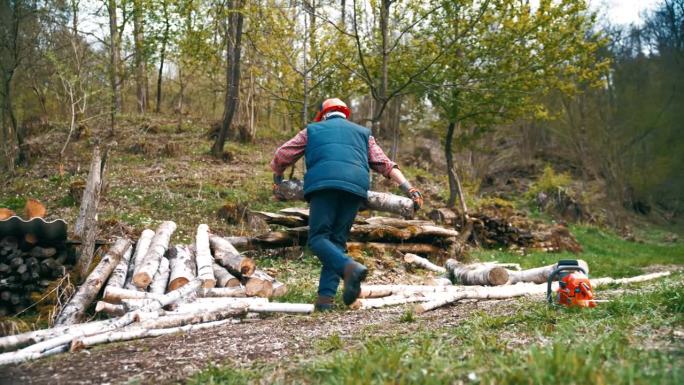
point(486, 90)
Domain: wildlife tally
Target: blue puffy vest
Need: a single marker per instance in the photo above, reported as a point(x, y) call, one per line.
point(337, 157)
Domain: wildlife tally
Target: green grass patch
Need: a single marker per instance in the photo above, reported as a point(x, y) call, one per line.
point(606, 252)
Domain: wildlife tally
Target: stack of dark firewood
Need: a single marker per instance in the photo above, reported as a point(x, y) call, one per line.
point(503, 226)
point(26, 268)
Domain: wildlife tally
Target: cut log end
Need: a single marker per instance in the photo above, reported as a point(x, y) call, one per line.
point(208, 283)
point(247, 267)
point(498, 276)
point(142, 280)
point(178, 282)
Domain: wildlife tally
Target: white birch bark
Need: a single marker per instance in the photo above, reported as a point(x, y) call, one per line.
point(161, 277)
point(203, 258)
point(182, 267)
point(416, 260)
point(136, 261)
point(160, 243)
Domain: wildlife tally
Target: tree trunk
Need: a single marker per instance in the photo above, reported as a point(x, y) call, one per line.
point(109, 308)
point(203, 258)
point(183, 267)
point(233, 51)
point(227, 256)
point(118, 277)
point(140, 57)
point(161, 278)
point(138, 257)
point(162, 54)
point(476, 274)
point(419, 261)
point(74, 310)
point(114, 59)
point(453, 187)
point(150, 264)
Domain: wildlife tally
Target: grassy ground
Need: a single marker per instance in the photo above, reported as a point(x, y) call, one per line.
point(635, 338)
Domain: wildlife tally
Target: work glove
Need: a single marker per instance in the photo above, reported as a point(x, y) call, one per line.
point(416, 197)
point(277, 180)
point(414, 194)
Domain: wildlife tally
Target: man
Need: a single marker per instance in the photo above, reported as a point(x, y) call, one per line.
point(339, 156)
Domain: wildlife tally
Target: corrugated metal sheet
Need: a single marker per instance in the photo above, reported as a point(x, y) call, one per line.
point(47, 232)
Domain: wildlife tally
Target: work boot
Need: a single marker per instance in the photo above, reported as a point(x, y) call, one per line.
point(323, 304)
point(354, 274)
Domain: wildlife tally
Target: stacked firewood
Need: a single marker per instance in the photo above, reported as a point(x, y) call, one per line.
point(154, 267)
point(26, 268)
point(503, 226)
point(289, 228)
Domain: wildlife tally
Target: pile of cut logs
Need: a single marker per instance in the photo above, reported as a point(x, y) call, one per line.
point(136, 275)
point(26, 268)
point(374, 233)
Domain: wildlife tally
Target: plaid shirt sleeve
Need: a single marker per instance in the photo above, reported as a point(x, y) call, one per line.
point(377, 159)
point(287, 154)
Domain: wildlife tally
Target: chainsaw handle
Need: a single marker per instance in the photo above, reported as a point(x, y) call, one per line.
point(554, 273)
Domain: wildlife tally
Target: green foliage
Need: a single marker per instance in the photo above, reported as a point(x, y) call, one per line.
point(330, 343)
point(222, 376)
point(408, 317)
point(549, 182)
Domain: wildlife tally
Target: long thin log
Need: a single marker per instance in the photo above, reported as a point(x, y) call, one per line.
point(476, 274)
point(227, 256)
point(223, 277)
point(160, 243)
point(419, 261)
point(137, 333)
point(280, 219)
point(182, 267)
point(136, 262)
point(281, 307)
point(118, 276)
point(52, 345)
point(13, 342)
point(161, 277)
point(74, 310)
point(203, 258)
point(392, 300)
point(538, 274)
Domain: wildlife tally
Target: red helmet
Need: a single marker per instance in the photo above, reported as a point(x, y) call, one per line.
point(333, 104)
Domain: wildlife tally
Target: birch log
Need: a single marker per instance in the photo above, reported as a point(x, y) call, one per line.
point(137, 333)
point(281, 307)
point(109, 308)
point(392, 300)
point(227, 256)
point(115, 294)
point(279, 289)
point(182, 267)
point(150, 264)
point(259, 284)
point(74, 311)
point(379, 201)
point(135, 264)
point(413, 259)
point(203, 258)
point(223, 292)
point(223, 277)
point(52, 345)
point(538, 274)
point(118, 276)
point(161, 277)
point(476, 274)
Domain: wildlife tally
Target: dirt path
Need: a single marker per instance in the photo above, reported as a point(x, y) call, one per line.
point(170, 359)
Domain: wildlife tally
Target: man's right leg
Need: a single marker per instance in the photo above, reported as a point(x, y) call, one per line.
point(322, 213)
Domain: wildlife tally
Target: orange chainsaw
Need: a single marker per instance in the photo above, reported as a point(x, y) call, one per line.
point(574, 287)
